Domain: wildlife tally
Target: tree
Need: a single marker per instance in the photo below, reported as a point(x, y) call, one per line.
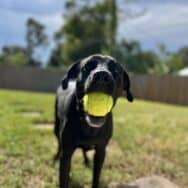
point(162, 67)
point(169, 62)
point(35, 37)
point(131, 56)
point(183, 53)
point(56, 58)
point(175, 63)
point(14, 55)
point(88, 29)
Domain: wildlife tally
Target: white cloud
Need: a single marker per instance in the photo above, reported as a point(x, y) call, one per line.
point(158, 21)
point(52, 22)
point(162, 22)
point(34, 6)
point(12, 25)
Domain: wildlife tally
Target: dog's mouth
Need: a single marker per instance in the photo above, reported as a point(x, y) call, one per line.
point(100, 87)
point(96, 106)
point(95, 121)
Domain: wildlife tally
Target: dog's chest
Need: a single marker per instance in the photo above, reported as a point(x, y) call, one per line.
point(88, 141)
point(84, 136)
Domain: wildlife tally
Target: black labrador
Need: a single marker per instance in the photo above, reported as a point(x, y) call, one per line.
point(74, 128)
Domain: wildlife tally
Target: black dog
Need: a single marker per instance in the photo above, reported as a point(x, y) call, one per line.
point(74, 128)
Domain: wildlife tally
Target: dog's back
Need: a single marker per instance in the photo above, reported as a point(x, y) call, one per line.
point(64, 98)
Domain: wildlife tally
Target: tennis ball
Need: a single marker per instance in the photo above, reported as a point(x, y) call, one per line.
point(97, 104)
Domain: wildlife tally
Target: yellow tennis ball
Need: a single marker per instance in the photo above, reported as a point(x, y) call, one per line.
point(97, 104)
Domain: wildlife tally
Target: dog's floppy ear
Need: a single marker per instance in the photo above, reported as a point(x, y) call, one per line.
point(72, 73)
point(126, 86)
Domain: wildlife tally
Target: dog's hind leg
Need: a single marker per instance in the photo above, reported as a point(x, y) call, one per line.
point(57, 131)
point(86, 158)
point(56, 120)
point(57, 155)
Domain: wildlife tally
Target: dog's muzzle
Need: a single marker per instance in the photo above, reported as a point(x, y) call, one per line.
point(100, 81)
point(103, 82)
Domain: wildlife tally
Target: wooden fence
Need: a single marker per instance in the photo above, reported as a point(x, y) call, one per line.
point(29, 78)
point(167, 88)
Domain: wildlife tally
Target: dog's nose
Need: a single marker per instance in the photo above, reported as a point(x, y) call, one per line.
point(101, 76)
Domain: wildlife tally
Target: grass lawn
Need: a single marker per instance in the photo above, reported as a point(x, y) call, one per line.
point(149, 138)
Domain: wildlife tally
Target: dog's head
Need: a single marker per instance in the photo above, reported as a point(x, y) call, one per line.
point(98, 73)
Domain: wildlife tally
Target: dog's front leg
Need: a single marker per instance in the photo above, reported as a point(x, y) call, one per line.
point(98, 163)
point(64, 168)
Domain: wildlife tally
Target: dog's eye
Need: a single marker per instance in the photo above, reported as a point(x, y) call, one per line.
point(113, 69)
point(90, 66)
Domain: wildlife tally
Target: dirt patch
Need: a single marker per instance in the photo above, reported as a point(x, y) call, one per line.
point(146, 182)
point(43, 126)
point(31, 114)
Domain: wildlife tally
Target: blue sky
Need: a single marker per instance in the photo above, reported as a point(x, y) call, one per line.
point(158, 21)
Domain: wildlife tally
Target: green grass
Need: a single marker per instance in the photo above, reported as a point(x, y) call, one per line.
point(149, 138)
